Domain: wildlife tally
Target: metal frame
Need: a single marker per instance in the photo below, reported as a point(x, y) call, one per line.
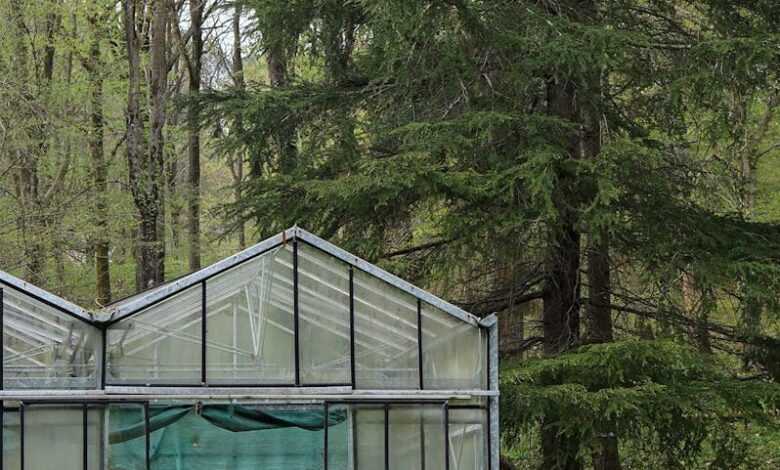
point(327, 393)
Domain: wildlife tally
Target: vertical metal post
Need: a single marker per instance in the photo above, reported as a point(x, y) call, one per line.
point(325, 449)
point(2, 335)
point(422, 438)
point(85, 435)
point(419, 343)
point(387, 436)
point(103, 356)
point(488, 437)
point(147, 436)
point(295, 315)
point(446, 436)
point(352, 325)
point(21, 436)
point(203, 333)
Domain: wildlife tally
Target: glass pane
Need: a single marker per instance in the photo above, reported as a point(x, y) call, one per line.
point(323, 296)
point(160, 345)
point(340, 450)
point(126, 448)
point(45, 348)
point(250, 322)
point(468, 439)
point(53, 438)
point(454, 352)
point(95, 437)
point(11, 438)
point(369, 438)
point(386, 355)
point(417, 438)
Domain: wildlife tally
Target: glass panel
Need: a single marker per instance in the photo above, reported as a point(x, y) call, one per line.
point(340, 455)
point(468, 439)
point(323, 303)
point(95, 437)
point(53, 438)
point(417, 438)
point(369, 438)
point(44, 347)
point(385, 335)
point(250, 322)
point(160, 345)
point(11, 438)
point(453, 352)
point(126, 446)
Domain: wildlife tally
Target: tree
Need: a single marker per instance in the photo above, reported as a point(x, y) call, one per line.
point(145, 162)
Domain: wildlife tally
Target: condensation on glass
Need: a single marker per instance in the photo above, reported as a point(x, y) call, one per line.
point(159, 345)
point(454, 352)
point(386, 343)
point(44, 347)
point(250, 322)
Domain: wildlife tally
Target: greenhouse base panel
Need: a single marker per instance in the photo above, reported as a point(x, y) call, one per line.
point(292, 354)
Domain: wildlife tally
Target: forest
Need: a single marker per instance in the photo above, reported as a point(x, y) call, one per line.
point(602, 174)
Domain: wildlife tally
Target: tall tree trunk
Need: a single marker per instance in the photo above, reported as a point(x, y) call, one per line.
point(26, 182)
point(276, 60)
point(145, 165)
point(193, 176)
point(94, 65)
point(605, 453)
point(561, 296)
point(237, 161)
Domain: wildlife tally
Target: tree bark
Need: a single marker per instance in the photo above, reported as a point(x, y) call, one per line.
point(94, 65)
point(237, 162)
point(145, 165)
point(561, 296)
point(193, 175)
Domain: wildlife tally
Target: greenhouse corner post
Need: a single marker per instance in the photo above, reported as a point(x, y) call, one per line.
point(494, 438)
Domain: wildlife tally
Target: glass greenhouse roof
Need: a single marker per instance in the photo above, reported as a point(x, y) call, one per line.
point(290, 354)
point(290, 311)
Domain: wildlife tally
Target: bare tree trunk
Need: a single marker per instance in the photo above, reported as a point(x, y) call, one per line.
point(26, 181)
point(94, 65)
point(193, 176)
point(145, 166)
point(237, 162)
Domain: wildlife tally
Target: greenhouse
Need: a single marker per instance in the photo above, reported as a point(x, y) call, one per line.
point(292, 354)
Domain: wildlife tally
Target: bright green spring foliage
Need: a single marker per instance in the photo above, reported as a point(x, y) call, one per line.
point(669, 404)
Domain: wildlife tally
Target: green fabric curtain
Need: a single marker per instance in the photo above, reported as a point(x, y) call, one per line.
point(226, 437)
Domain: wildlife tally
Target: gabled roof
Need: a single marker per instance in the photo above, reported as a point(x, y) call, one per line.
point(46, 297)
point(130, 305)
point(137, 302)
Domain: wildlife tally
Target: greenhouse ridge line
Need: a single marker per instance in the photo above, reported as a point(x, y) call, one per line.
point(135, 303)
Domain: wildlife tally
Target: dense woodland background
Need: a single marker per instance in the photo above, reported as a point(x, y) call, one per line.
point(604, 174)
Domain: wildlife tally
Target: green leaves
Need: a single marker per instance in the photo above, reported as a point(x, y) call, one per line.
point(659, 392)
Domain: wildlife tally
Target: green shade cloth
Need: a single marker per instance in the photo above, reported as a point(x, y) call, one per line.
point(225, 437)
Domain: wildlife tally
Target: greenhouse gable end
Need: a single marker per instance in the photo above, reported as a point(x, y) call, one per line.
point(292, 354)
